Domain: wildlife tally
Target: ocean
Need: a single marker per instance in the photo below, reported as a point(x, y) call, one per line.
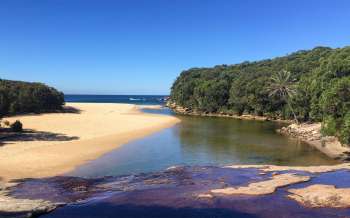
point(130, 99)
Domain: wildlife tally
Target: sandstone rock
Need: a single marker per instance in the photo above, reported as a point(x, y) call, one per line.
point(321, 196)
point(264, 187)
point(23, 207)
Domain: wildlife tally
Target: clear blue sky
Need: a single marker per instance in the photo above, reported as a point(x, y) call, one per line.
point(140, 46)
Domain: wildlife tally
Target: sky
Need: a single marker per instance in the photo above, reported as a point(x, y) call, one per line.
point(141, 46)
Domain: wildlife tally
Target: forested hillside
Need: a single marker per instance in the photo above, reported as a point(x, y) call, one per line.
point(311, 85)
point(22, 97)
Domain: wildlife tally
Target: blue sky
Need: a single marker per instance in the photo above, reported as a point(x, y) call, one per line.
point(140, 46)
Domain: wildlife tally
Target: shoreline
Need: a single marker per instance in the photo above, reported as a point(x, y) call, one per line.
point(311, 134)
point(308, 133)
point(187, 112)
point(263, 180)
point(57, 143)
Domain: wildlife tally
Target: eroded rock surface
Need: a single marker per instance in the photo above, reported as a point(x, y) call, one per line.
point(321, 196)
point(24, 207)
point(185, 192)
point(264, 187)
point(14, 207)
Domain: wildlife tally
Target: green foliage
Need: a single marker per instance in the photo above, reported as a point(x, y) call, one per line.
point(282, 87)
point(22, 97)
point(345, 130)
point(317, 87)
point(335, 101)
point(211, 95)
point(17, 126)
point(329, 126)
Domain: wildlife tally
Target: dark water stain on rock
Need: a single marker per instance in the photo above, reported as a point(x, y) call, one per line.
point(172, 193)
point(57, 189)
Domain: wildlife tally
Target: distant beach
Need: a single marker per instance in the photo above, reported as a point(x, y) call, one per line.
point(56, 143)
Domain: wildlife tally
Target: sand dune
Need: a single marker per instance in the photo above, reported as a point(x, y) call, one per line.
point(59, 142)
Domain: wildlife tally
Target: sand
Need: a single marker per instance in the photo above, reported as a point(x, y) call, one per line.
point(263, 187)
point(62, 141)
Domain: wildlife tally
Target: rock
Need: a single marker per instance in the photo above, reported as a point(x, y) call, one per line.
point(311, 134)
point(22, 207)
point(26, 207)
point(321, 196)
point(209, 196)
point(264, 187)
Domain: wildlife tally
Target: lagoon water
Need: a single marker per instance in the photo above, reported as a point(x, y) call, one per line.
point(204, 141)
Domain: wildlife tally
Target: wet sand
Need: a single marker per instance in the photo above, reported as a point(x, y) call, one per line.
point(56, 143)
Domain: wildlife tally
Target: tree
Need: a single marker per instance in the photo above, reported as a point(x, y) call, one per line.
point(22, 97)
point(282, 87)
point(312, 92)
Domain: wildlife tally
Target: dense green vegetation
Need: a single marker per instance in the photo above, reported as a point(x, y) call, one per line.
point(319, 80)
point(22, 97)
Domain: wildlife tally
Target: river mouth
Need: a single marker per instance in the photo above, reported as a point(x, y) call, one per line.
point(132, 181)
point(204, 141)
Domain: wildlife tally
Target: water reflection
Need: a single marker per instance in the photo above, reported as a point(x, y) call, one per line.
point(235, 141)
point(205, 141)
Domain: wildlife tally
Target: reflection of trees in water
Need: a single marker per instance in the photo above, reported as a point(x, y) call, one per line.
point(244, 142)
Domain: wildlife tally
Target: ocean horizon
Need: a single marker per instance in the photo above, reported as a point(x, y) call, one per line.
point(128, 99)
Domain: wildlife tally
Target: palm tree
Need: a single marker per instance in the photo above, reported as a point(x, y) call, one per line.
point(282, 87)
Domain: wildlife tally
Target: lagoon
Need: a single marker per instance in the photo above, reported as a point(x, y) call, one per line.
point(205, 141)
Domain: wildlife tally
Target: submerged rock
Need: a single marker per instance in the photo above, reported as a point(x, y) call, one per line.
point(178, 192)
point(309, 169)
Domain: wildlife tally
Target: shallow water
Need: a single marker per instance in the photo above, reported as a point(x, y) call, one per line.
point(205, 141)
point(173, 193)
point(150, 191)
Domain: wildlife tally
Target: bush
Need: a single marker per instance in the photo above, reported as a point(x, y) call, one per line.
point(6, 123)
point(18, 97)
point(345, 130)
point(329, 126)
point(17, 126)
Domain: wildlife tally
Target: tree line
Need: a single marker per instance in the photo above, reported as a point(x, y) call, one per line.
point(18, 97)
point(308, 85)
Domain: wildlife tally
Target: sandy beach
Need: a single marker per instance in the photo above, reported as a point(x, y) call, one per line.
point(58, 142)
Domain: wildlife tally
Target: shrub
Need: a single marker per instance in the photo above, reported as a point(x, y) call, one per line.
point(6, 123)
point(17, 126)
point(329, 126)
point(345, 130)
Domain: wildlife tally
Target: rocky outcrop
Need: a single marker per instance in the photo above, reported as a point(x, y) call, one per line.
point(319, 195)
point(188, 111)
point(18, 208)
point(307, 132)
point(249, 189)
point(311, 134)
point(264, 187)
